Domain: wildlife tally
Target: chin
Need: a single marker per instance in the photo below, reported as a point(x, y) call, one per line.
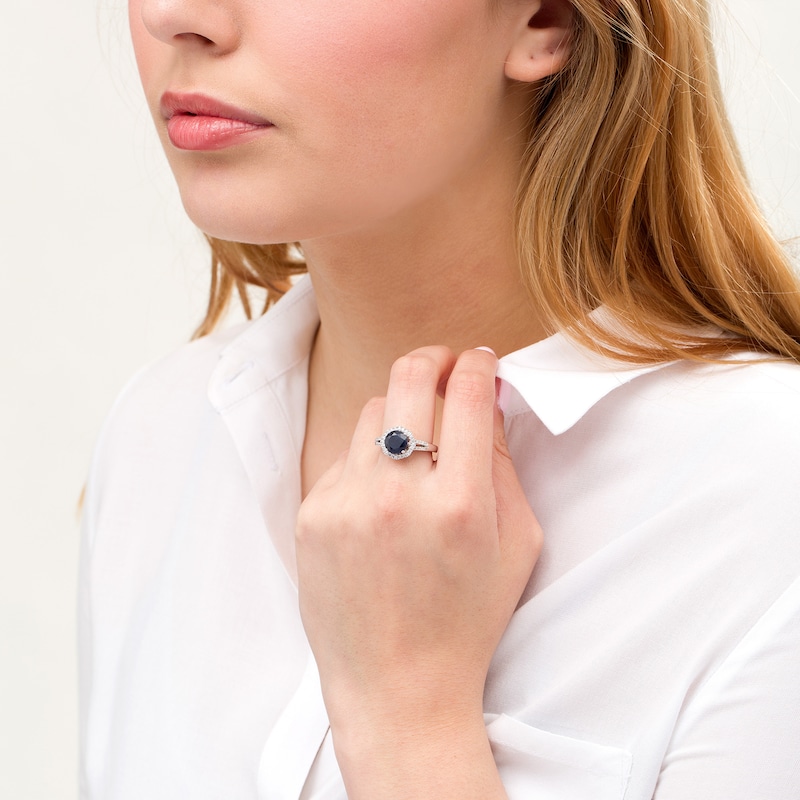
point(236, 221)
point(237, 233)
point(254, 209)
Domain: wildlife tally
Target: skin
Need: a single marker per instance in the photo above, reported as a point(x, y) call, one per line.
point(393, 161)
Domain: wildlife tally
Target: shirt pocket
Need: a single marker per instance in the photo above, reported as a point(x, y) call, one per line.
point(534, 763)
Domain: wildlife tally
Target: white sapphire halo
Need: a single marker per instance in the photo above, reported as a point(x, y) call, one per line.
point(399, 442)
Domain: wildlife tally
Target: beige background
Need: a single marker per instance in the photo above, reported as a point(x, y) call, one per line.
point(101, 273)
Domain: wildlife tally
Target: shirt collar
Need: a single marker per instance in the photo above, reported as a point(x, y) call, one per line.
point(556, 378)
point(267, 348)
point(560, 380)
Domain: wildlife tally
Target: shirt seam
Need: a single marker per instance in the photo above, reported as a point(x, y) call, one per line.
point(738, 643)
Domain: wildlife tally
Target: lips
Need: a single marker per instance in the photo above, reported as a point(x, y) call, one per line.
point(199, 105)
point(198, 122)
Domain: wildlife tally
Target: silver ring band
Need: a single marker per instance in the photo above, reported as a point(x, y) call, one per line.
point(399, 442)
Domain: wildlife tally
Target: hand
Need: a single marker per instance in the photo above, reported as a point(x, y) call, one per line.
point(410, 570)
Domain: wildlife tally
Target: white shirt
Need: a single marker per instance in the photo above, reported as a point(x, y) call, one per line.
point(656, 654)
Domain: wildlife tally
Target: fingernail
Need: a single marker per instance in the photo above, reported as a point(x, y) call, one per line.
point(488, 350)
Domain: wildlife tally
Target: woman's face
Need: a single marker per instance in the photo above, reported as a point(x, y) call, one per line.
point(376, 108)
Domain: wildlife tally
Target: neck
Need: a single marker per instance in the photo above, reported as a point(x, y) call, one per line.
point(448, 277)
point(446, 273)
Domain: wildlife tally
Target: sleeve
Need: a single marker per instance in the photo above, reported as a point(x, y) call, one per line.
point(88, 702)
point(739, 738)
point(84, 653)
point(84, 621)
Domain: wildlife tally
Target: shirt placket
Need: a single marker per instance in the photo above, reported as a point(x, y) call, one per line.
point(265, 417)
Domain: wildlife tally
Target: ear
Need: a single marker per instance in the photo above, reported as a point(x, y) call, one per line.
point(543, 41)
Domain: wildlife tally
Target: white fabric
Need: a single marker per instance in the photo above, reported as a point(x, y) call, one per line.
point(656, 651)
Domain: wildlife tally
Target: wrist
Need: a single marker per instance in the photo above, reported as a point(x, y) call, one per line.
point(420, 753)
point(403, 705)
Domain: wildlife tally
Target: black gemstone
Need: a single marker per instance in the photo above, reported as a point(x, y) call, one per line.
point(396, 442)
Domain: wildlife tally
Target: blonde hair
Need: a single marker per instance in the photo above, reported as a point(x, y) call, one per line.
point(632, 196)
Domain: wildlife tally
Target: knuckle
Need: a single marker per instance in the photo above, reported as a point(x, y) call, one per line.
point(459, 511)
point(478, 360)
point(305, 526)
point(392, 503)
point(324, 524)
point(372, 412)
point(415, 369)
point(373, 407)
point(471, 387)
point(501, 444)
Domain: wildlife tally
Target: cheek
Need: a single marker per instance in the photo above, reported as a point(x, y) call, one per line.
point(361, 57)
point(376, 105)
point(330, 34)
point(390, 90)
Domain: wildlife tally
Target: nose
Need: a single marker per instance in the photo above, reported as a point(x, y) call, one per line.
point(204, 24)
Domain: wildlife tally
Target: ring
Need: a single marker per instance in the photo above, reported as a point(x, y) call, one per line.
point(399, 443)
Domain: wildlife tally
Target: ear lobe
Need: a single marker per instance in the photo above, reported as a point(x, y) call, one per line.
point(543, 42)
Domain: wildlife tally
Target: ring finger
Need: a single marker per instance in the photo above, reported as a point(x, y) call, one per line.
point(411, 396)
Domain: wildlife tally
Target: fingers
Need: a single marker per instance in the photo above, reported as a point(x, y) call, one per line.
point(411, 396)
point(517, 525)
point(363, 453)
point(410, 403)
point(331, 475)
point(468, 420)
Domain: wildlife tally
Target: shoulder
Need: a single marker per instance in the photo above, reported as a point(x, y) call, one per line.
point(158, 423)
point(180, 381)
point(749, 374)
point(746, 396)
point(172, 409)
point(177, 381)
point(724, 437)
point(708, 447)
point(737, 419)
point(155, 418)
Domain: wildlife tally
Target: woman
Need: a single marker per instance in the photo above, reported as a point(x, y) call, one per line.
point(585, 589)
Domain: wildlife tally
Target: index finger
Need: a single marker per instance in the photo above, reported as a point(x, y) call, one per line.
point(467, 437)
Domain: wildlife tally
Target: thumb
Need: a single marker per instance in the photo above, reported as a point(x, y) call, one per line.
point(518, 529)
